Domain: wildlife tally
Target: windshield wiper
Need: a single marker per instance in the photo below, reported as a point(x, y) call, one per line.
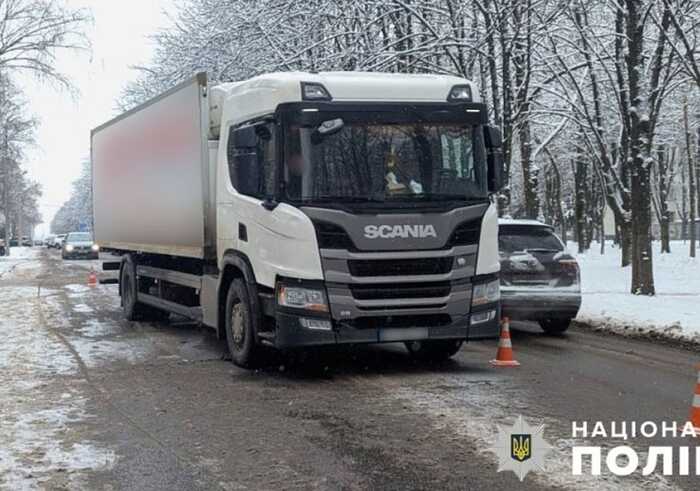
point(437, 197)
point(342, 199)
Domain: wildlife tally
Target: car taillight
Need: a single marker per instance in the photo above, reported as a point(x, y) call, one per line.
point(569, 266)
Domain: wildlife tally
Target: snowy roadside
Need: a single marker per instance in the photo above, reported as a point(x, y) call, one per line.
point(45, 412)
point(674, 313)
point(19, 257)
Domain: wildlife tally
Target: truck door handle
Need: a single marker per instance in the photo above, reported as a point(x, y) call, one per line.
point(242, 232)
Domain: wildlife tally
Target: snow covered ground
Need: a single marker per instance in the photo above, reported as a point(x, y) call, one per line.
point(674, 311)
point(19, 256)
point(44, 410)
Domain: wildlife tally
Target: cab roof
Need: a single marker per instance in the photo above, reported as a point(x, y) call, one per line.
point(241, 101)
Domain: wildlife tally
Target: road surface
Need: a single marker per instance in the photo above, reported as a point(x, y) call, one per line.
point(91, 401)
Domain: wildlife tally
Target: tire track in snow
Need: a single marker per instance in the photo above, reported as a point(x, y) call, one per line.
point(101, 393)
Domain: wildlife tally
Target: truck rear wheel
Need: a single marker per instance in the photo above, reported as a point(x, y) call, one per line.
point(240, 326)
point(435, 350)
point(128, 289)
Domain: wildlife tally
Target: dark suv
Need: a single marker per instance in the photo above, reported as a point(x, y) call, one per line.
point(540, 280)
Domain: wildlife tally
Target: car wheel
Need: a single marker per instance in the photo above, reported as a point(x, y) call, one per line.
point(436, 350)
point(240, 326)
point(555, 326)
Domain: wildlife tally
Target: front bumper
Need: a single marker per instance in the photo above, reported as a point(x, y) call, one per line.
point(290, 333)
point(80, 255)
point(537, 304)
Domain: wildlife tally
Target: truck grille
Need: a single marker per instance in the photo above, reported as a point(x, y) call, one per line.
point(400, 284)
point(401, 290)
point(397, 267)
point(466, 233)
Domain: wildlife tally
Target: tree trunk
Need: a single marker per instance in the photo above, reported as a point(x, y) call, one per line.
point(580, 176)
point(691, 179)
point(5, 164)
point(642, 264)
point(664, 213)
point(625, 228)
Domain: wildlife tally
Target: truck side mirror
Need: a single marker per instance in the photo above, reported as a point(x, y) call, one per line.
point(244, 137)
point(494, 159)
point(243, 161)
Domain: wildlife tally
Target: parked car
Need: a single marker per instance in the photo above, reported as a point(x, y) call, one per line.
point(26, 241)
point(540, 280)
point(14, 242)
point(58, 241)
point(79, 244)
point(38, 242)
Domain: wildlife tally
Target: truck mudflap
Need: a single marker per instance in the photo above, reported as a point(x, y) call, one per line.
point(291, 334)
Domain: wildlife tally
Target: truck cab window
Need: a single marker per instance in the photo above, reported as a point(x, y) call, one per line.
point(265, 156)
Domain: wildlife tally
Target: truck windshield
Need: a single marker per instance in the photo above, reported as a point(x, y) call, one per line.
point(356, 162)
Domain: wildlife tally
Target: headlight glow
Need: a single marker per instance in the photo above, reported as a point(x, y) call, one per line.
point(69, 248)
point(302, 298)
point(95, 247)
point(484, 293)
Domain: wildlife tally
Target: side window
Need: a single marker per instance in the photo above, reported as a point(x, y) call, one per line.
point(266, 158)
point(258, 161)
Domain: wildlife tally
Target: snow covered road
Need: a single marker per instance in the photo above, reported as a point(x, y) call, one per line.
point(43, 430)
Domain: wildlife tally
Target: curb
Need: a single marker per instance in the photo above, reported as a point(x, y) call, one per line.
point(642, 334)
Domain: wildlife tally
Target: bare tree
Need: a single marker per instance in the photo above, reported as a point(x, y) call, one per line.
point(32, 32)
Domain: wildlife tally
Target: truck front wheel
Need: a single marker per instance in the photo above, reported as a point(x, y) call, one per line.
point(435, 350)
point(240, 334)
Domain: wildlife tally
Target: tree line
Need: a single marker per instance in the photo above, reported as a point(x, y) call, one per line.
point(31, 33)
point(598, 100)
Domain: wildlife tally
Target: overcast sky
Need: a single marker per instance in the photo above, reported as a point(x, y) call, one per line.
point(119, 40)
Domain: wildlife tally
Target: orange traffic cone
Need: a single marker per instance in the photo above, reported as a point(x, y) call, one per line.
point(92, 278)
point(504, 355)
point(695, 408)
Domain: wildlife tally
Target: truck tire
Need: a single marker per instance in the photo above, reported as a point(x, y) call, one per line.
point(240, 326)
point(555, 326)
point(435, 350)
point(128, 288)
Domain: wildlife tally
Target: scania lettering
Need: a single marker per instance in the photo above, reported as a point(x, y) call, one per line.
point(306, 209)
point(402, 231)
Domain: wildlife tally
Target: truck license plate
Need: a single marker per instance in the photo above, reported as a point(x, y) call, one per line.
point(404, 334)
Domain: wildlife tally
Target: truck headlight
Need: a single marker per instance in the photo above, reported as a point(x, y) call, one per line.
point(69, 248)
point(484, 293)
point(95, 247)
point(302, 298)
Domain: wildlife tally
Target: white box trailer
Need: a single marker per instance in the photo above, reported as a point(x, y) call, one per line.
point(153, 176)
point(306, 209)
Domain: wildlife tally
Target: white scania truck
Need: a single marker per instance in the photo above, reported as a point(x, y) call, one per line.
point(306, 209)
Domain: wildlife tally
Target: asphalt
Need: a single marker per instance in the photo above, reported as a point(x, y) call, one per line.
point(173, 413)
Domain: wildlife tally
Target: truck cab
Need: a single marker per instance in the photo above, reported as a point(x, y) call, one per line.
point(337, 208)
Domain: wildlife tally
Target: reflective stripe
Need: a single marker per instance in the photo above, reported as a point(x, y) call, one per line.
point(696, 401)
point(505, 343)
